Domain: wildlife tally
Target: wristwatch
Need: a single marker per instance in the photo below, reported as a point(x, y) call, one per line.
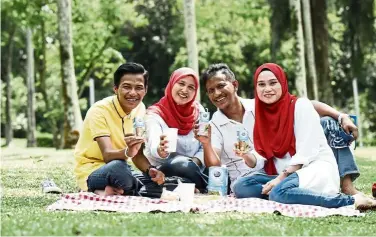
point(126, 155)
point(148, 169)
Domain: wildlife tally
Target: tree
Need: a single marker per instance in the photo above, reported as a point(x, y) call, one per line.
point(320, 33)
point(190, 34)
point(6, 74)
point(359, 39)
point(31, 129)
point(72, 115)
point(300, 81)
point(280, 21)
point(309, 43)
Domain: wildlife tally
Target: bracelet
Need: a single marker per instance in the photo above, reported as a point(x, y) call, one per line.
point(126, 155)
point(287, 173)
point(340, 118)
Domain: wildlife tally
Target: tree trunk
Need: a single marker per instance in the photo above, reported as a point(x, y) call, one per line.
point(72, 115)
point(190, 35)
point(280, 21)
point(42, 83)
point(92, 91)
point(31, 130)
point(321, 48)
point(309, 43)
point(301, 81)
point(6, 74)
point(357, 110)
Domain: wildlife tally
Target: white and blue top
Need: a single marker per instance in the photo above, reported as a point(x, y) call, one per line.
point(187, 145)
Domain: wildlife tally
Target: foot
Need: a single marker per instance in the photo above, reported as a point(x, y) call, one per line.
point(349, 190)
point(347, 186)
point(363, 202)
point(100, 192)
point(109, 190)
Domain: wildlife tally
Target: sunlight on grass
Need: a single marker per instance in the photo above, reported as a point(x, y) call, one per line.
point(24, 206)
point(366, 152)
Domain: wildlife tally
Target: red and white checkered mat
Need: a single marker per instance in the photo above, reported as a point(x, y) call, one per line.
point(85, 201)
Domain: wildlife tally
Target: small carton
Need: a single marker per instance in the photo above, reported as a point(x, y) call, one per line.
point(204, 123)
point(139, 127)
point(243, 140)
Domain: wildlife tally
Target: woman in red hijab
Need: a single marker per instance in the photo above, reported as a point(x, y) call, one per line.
point(177, 109)
point(299, 166)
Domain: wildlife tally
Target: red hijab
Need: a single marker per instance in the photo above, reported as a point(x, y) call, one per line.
point(274, 126)
point(181, 117)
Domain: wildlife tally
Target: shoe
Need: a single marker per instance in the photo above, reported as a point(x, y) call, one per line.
point(49, 186)
point(362, 202)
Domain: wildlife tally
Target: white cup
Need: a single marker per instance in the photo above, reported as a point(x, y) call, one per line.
point(172, 138)
point(186, 192)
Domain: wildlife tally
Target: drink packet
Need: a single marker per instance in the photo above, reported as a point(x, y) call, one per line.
point(243, 140)
point(139, 127)
point(218, 180)
point(204, 119)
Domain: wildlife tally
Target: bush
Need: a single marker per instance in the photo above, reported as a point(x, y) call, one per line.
point(45, 140)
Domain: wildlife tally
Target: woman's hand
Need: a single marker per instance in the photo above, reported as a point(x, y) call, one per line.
point(205, 140)
point(267, 188)
point(162, 147)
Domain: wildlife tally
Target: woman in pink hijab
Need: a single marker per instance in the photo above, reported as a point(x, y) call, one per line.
point(177, 109)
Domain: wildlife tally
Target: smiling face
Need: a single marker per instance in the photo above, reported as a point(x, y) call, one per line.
point(184, 90)
point(131, 91)
point(268, 88)
point(221, 92)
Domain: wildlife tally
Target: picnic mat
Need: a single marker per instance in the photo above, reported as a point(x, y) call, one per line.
point(85, 201)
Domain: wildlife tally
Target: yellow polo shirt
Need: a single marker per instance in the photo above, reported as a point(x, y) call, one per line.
point(104, 118)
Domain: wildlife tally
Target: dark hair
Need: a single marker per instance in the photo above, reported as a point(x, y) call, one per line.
point(213, 69)
point(130, 68)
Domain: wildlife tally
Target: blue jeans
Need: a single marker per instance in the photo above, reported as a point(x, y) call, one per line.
point(288, 192)
point(251, 186)
point(345, 159)
point(116, 173)
point(184, 167)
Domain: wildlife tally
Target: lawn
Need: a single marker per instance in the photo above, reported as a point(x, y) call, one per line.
point(23, 207)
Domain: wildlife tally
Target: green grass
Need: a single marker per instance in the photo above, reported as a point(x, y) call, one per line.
point(23, 208)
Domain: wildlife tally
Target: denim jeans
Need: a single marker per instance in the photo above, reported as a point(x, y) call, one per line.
point(345, 158)
point(288, 192)
point(184, 167)
point(251, 186)
point(116, 173)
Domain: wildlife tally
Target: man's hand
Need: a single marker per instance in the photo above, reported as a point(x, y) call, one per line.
point(133, 143)
point(241, 153)
point(157, 176)
point(249, 159)
point(205, 140)
point(267, 188)
point(349, 127)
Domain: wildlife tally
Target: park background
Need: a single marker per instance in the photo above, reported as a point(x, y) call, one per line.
point(59, 56)
point(50, 58)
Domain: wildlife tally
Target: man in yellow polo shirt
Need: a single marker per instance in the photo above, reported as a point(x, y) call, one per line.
point(107, 140)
